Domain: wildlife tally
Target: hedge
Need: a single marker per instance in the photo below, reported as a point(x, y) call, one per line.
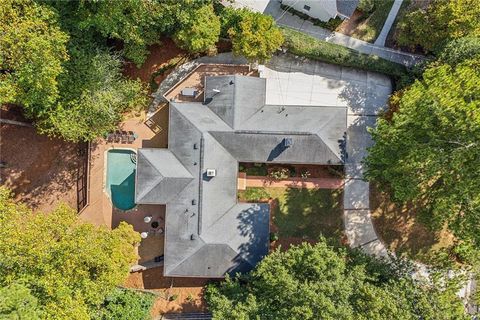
point(304, 45)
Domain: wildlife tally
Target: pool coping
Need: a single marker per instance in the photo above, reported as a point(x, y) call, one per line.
point(105, 168)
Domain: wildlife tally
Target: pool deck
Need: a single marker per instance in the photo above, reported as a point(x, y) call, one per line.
point(100, 210)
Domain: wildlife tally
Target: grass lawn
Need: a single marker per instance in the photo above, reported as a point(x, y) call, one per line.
point(403, 233)
point(302, 213)
point(371, 26)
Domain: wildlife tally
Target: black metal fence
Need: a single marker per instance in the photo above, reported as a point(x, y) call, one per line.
point(83, 175)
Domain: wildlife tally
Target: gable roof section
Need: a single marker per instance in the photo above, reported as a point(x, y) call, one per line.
point(235, 98)
point(270, 147)
point(160, 176)
point(328, 123)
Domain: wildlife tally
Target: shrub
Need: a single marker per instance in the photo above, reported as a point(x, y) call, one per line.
point(279, 173)
point(366, 6)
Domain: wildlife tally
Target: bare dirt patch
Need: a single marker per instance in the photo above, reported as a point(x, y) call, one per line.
point(174, 294)
point(41, 171)
point(159, 55)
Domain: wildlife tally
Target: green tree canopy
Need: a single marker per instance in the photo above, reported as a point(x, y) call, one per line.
point(254, 35)
point(68, 266)
point(93, 96)
point(321, 282)
point(199, 29)
point(32, 50)
point(428, 152)
point(124, 304)
point(17, 302)
point(443, 20)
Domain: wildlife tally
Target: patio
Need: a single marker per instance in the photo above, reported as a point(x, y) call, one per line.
point(195, 80)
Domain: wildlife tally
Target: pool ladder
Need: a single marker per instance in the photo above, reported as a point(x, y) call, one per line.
point(133, 157)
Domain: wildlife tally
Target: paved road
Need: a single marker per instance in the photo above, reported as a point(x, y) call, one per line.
point(272, 7)
point(382, 37)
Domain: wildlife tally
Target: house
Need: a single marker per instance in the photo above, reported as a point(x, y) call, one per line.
point(319, 9)
point(324, 9)
point(208, 233)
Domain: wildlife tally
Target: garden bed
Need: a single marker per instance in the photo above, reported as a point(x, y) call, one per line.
point(367, 26)
point(291, 170)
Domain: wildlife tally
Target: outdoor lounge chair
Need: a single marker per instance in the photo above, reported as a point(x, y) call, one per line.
point(131, 136)
point(110, 137)
point(124, 136)
point(117, 136)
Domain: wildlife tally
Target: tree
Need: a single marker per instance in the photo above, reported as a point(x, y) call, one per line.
point(444, 20)
point(254, 35)
point(17, 302)
point(322, 282)
point(125, 304)
point(199, 30)
point(94, 95)
point(69, 266)
point(32, 50)
point(428, 152)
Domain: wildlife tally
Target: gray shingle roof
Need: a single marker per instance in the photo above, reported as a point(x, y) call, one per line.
point(347, 7)
point(215, 234)
point(236, 98)
point(160, 176)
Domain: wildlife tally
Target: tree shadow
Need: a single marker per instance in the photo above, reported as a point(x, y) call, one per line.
point(40, 170)
point(254, 227)
point(310, 213)
point(398, 226)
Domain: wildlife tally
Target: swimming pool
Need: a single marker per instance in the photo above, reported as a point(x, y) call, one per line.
point(120, 184)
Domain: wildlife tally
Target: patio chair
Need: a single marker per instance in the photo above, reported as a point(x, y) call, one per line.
point(131, 136)
point(110, 137)
point(124, 136)
point(117, 136)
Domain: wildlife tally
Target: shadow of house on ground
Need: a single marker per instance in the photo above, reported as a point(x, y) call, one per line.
point(253, 226)
point(158, 123)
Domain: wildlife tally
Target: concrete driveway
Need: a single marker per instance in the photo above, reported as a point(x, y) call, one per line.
point(299, 81)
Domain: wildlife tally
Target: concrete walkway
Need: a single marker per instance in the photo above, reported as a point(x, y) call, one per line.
point(382, 37)
point(286, 19)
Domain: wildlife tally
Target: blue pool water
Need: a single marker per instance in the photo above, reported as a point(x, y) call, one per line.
point(121, 178)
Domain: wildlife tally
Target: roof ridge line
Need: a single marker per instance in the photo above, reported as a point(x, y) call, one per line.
point(203, 244)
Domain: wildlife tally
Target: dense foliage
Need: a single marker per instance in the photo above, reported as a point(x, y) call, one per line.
point(32, 50)
point(124, 304)
point(17, 302)
point(441, 22)
point(428, 151)
point(93, 96)
point(65, 266)
point(321, 282)
point(459, 50)
point(254, 35)
point(199, 30)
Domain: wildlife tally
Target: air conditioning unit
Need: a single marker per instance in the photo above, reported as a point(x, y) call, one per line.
point(211, 173)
